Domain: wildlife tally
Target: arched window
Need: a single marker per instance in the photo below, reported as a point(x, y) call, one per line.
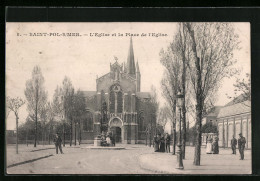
point(112, 101)
point(115, 99)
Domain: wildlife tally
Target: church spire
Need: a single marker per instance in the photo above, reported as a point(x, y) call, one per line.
point(130, 59)
point(137, 67)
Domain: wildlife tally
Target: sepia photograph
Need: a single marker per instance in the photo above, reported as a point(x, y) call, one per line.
point(135, 98)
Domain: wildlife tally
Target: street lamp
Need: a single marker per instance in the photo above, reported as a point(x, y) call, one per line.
point(180, 100)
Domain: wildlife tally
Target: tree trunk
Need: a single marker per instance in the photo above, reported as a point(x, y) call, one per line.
point(35, 134)
point(75, 134)
point(174, 140)
point(49, 136)
point(184, 105)
point(146, 139)
point(71, 133)
point(199, 97)
point(17, 134)
point(27, 137)
point(79, 133)
point(63, 134)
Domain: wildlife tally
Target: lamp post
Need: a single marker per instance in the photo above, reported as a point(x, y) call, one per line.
point(180, 99)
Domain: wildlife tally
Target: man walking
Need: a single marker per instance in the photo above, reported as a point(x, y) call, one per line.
point(233, 144)
point(57, 141)
point(167, 141)
point(241, 145)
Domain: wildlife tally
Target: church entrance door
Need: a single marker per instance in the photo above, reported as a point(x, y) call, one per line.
point(116, 131)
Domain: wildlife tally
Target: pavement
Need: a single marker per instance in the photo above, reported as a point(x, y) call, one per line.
point(222, 163)
point(134, 159)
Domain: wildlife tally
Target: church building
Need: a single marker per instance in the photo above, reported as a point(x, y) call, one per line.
point(118, 105)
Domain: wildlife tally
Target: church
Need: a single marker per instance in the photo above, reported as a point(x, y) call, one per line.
point(118, 105)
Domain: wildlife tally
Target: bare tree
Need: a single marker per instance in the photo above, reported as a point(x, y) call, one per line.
point(79, 109)
point(36, 96)
point(13, 105)
point(164, 115)
point(171, 81)
point(50, 118)
point(242, 90)
point(212, 46)
point(68, 96)
point(58, 108)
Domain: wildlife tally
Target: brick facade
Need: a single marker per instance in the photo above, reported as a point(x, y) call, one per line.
point(129, 111)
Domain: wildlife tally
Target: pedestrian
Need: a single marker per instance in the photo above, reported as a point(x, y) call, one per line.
point(108, 140)
point(167, 142)
point(57, 141)
point(233, 144)
point(162, 145)
point(209, 146)
point(215, 146)
point(241, 145)
point(156, 143)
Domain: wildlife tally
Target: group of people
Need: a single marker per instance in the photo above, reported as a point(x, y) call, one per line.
point(162, 143)
point(241, 145)
point(108, 139)
point(212, 145)
point(213, 148)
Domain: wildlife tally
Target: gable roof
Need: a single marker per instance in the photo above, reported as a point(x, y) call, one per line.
point(235, 109)
point(240, 98)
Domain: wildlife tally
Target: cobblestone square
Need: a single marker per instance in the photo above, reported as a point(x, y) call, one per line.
point(134, 159)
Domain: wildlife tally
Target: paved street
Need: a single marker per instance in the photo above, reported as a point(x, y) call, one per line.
point(135, 159)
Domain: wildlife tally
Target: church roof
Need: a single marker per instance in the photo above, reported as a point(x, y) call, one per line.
point(144, 95)
point(130, 59)
point(89, 93)
point(235, 109)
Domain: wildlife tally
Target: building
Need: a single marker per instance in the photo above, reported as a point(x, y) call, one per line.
point(211, 117)
point(118, 104)
point(234, 118)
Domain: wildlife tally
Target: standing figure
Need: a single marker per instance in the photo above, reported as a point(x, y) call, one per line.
point(162, 145)
point(209, 146)
point(156, 143)
point(241, 145)
point(57, 141)
point(167, 141)
point(233, 144)
point(108, 140)
point(215, 146)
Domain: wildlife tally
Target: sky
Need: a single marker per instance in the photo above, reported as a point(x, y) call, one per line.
point(83, 58)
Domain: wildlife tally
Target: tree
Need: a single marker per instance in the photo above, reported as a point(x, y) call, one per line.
point(50, 118)
point(79, 110)
point(14, 104)
point(68, 96)
point(212, 46)
point(58, 109)
point(164, 115)
point(36, 96)
point(170, 84)
point(209, 128)
point(242, 90)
